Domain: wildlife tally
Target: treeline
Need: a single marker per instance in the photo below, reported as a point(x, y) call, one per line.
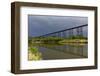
point(53, 39)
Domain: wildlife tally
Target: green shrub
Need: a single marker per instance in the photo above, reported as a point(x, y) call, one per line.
point(33, 49)
point(34, 54)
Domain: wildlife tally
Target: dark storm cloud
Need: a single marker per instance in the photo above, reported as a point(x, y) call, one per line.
point(40, 25)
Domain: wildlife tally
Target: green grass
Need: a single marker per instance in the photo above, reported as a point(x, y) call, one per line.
point(74, 41)
point(54, 39)
point(33, 49)
point(34, 54)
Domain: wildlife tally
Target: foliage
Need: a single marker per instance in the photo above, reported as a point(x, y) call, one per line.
point(33, 49)
point(54, 39)
point(34, 54)
point(46, 39)
point(77, 37)
point(29, 41)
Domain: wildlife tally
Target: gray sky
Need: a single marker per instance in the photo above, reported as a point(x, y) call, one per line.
point(40, 25)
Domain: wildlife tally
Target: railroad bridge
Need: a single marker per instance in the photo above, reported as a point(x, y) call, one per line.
point(74, 31)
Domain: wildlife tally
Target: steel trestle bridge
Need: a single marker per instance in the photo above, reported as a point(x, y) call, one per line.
point(74, 31)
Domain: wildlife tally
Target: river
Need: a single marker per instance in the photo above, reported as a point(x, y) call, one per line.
point(62, 51)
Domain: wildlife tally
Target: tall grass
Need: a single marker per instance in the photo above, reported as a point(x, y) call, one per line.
point(34, 54)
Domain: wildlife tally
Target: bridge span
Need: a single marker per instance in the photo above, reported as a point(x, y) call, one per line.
point(74, 31)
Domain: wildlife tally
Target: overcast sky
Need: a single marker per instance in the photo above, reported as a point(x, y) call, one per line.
point(40, 25)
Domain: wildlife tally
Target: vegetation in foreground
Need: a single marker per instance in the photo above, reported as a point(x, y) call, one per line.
point(34, 54)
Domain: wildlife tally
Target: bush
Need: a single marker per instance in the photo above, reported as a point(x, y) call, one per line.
point(34, 54)
point(33, 49)
point(77, 37)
